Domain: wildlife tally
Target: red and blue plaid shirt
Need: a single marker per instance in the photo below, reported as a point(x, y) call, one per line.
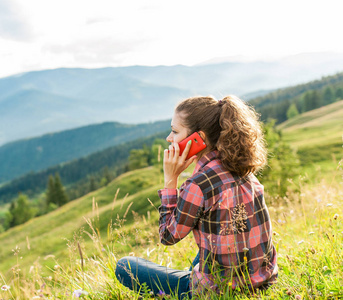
point(230, 223)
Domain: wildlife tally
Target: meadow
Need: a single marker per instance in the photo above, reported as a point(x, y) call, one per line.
point(72, 252)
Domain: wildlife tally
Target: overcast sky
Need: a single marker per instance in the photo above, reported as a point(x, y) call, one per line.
point(45, 34)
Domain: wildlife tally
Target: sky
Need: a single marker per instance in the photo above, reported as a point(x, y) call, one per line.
point(48, 34)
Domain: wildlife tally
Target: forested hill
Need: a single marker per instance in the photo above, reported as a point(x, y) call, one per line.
point(283, 104)
point(20, 157)
point(76, 174)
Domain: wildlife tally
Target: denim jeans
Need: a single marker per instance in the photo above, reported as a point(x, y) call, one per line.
point(132, 272)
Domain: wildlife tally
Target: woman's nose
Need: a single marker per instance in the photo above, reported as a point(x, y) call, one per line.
point(169, 139)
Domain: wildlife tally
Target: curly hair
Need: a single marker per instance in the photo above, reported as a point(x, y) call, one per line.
point(232, 127)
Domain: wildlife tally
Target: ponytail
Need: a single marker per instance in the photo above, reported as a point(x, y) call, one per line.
point(241, 144)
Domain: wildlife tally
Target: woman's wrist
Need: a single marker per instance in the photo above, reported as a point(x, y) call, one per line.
point(170, 183)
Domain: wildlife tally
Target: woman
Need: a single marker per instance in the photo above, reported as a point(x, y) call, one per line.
point(222, 203)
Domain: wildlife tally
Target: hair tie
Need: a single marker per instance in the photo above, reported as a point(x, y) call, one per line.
point(220, 102)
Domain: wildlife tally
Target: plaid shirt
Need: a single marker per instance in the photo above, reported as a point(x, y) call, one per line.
point(230, 223)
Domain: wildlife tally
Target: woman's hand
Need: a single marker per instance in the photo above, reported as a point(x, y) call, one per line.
point(174, 164)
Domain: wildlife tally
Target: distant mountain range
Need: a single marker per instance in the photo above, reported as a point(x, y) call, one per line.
point(32, 155)
point(35, 103)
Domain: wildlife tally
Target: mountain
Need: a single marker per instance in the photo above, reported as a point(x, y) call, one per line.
point(75, 174)
point(23, 156)
point(47, 101)
point(40, 102)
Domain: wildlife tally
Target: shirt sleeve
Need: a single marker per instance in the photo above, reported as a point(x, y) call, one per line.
point(179, 212)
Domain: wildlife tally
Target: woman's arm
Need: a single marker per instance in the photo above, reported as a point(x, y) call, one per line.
point(179, 213)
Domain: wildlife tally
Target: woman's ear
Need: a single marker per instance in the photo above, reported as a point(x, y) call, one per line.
point(202, 135)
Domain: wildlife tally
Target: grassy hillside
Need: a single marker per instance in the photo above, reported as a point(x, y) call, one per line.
point(49, 234)
point(317, 136)
point(82, 241)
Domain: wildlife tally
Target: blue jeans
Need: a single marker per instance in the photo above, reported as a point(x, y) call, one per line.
point(132, 272)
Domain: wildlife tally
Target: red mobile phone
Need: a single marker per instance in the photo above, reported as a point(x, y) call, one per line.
point(197, 144)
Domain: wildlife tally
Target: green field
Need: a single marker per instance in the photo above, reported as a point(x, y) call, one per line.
point(76, 246)
point(49, 234)
point(317, 136)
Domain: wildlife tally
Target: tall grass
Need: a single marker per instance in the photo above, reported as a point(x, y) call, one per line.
point(308, 235)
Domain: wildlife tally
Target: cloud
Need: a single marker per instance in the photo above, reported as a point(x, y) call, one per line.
point(95, 51)
point(13, 25)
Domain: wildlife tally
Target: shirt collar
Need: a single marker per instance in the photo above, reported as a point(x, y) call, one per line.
point(204, 160)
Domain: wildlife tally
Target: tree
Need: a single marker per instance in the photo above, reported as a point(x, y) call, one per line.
point(316, 99)
point(307, 102)
point(61, 196)
point(50, 193)
point(282, 165)
point(292, 111)
point(138, 159)
point(92, 184)
point(312, 100)
point(328, 96)
point(20, 211)
point(55, 194)
point(339, 94)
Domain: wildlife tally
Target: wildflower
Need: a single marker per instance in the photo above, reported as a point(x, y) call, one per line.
point(161, 293)
point(325, 268)
point(56, 267)
point(5, 287)
point(335, 217)
point(79, 293)
point(329, 204)
point(298, 297)
point(300, 242)
point(16, 250)
point(245, 249)
point(289, 292)
point(311, 232)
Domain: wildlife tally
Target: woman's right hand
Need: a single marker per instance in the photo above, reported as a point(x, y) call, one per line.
point(174, 164)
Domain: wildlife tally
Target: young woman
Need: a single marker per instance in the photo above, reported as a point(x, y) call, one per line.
point(222, 203)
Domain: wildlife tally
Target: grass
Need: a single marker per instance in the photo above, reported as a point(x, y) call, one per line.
point(317, 136)
point(49, 234)
point(308, 234)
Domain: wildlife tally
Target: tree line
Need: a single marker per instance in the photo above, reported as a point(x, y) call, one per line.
point(284, 104)
point(23, 209)
point(76, 174)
